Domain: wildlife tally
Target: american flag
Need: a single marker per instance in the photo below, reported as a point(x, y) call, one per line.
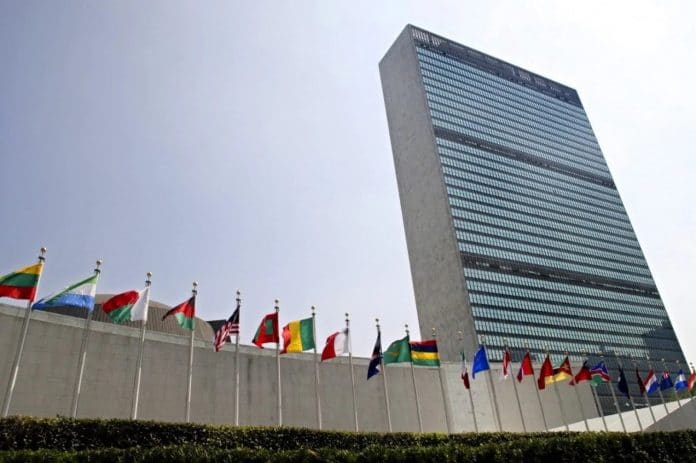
point(231, 326)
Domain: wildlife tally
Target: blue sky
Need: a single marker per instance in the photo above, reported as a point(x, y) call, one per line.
point(244, 144)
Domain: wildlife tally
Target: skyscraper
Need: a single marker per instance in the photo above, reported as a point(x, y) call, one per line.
point(514, 226)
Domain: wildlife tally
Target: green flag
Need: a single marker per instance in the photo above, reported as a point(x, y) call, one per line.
point(398, 351)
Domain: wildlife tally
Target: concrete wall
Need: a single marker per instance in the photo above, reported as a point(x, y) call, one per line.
point(436, 269)
point(49, 367)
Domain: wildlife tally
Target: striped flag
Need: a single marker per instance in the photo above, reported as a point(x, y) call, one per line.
point(231, 326)
point(507, 360)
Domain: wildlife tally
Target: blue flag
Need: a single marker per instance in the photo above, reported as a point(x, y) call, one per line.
point(623, 383)
point(480, 361)
point(666, 382)
point(681, 381)
point(375, 360)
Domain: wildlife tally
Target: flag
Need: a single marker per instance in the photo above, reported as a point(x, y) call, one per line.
point(268, 330)
point(373, 368)
point(185, 314)
point(525, 368)
point(561, 373)
point(681, 381)
point(692, 382)
point(78, 296)
point(641, 385)
point(545, 372)
point(22, 283)
point(231, 326)
point(623, 384)
point(600, 374)
point(397, 352)
point(128, 306)
point(666, 382)
point(480, 361)
point(424, 353)
point(336, 344)
point(298, 336)
point(651, 384)
point(507, 359)
point(465, 372)
point(583, 375)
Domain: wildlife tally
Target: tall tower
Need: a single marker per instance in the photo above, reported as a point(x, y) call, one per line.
point(514, 226)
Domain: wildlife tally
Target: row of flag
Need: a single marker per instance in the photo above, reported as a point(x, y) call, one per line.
point(299, 336)
point(596, 375)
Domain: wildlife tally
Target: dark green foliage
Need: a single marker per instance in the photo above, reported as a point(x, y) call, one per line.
point(66, 440)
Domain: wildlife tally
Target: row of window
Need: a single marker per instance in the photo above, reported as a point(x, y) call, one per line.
point(508, 279)
point(525, 305)
point(534, 101)
point(552, 255)
point(495, 253)
point(458, 188)
point(596, 330)
point(503, 182)
point(523, 195)
point(576, 350)
point(483, 214)
point(472, 95)
point(603, 309)
point(535, 133)
point(564, 246)
point(521, 169)
point(509, 329)
point(496, 136)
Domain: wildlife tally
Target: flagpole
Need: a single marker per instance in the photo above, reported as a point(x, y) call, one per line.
point(86, 330)
point(645, 393)
point(471, 398)
point(352, 376)
point(279, 402)
point(558, 397)
point(593, 388)
point(316, 366)
point(194, 292)
point(415, 388)
point(384, 381)
point(22, 340)
point(236, 366)
point(538, 394)
point(577, 396)
point(514, 386)
point(139, 365)
point(630, 399)
point(445, 396)
point(494, 402)
point(659, 391)
point(664, 366)
point(616, 401)
point(675, 389)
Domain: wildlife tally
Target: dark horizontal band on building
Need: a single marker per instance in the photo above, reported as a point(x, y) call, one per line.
point(553, 274)
point(527, 158)
point(496, 67)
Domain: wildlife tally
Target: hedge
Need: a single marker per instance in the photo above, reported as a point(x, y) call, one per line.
point(67, 440)
point(19, 433)
point(556, 449)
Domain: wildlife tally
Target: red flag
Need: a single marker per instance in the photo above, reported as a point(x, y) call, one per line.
point(546, 372)
point(465, 373)
point(641, 385)
point(507, 359)
point(583, 375)
point(268, 330)
point(525, 368)
point(691, 382)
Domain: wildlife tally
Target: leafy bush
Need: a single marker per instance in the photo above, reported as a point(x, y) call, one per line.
point(67, 440)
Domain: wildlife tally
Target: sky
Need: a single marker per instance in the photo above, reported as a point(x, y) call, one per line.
point(244, 145)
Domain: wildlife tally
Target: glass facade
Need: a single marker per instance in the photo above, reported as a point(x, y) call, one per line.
point(550, 258)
